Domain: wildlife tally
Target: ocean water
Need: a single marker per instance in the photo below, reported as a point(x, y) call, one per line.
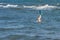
point(18, 20)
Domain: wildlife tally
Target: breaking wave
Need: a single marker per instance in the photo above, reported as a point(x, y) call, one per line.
point(8, 6)
point(44, 7)
point(34, 7)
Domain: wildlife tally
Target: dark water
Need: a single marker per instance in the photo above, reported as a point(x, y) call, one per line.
point(20, 24)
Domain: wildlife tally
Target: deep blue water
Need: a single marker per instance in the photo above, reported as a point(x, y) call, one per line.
point(18, 23)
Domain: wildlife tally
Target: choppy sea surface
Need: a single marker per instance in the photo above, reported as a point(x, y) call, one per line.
point(18, 20)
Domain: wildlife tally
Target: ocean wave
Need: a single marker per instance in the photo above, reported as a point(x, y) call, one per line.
point(33, 7)
point(8, 6)
point(44, 7)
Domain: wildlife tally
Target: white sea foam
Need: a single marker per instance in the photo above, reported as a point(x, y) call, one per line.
point(29, 6)
point(45, 7)
point(33, 7)
point(8, 6)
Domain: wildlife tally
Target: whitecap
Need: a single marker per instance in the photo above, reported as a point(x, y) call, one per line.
point(9, 5)
point(28, 6)
point(32, 7)
point(44, 7)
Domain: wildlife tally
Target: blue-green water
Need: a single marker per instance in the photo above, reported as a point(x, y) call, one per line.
point(18, 20)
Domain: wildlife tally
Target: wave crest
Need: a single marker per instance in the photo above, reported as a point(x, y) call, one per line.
point(2, 5)
point(45, 7)
point(33, 7)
